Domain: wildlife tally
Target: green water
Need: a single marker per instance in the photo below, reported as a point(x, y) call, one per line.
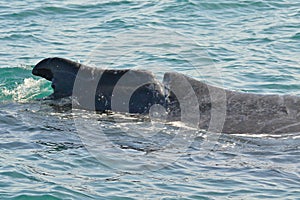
point(250, 46)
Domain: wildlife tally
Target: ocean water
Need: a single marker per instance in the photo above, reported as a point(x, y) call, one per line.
point(249, 46)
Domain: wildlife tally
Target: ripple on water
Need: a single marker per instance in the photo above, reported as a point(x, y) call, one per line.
point(253, 44)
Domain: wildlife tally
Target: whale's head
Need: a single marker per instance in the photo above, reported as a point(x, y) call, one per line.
point(121, 90)
point(43, 69)
point(61, 72)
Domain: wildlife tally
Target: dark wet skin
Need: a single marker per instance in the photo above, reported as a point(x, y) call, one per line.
point(217, 109)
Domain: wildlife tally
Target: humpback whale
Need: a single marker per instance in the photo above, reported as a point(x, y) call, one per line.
point(136, 91)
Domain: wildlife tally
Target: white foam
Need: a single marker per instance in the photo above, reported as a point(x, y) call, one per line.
point(25, 91)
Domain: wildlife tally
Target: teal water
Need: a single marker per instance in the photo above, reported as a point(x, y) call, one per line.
point(250, 46)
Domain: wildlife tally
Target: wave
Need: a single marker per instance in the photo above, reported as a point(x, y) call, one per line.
point(16, 84)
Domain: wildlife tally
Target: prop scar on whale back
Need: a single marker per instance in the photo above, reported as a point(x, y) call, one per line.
point(137, 91)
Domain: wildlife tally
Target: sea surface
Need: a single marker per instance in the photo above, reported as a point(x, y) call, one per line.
point(248, 46)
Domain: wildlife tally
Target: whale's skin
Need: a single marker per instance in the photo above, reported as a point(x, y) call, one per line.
point(64, 73)
point(244, 113)
point(219, 110)
point(61, 72)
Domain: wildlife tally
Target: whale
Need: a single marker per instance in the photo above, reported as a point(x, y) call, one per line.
point(182, 97)
point(63, 74)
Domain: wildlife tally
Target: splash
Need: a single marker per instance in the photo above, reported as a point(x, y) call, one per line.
point(28, 90)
